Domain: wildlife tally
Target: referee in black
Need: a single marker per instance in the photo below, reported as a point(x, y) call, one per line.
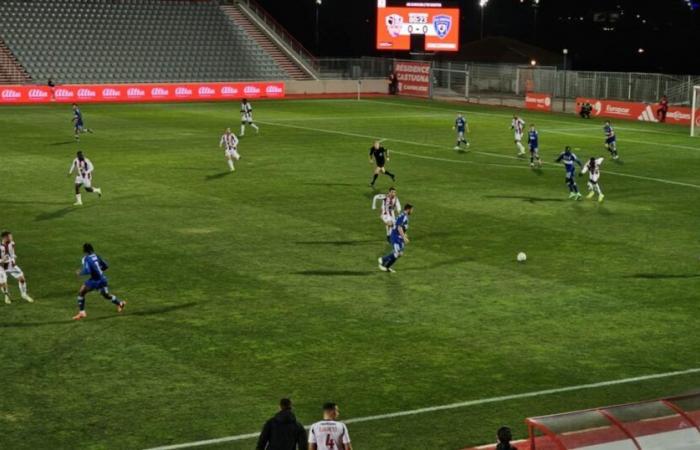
point(379, 155)
point(283, 431)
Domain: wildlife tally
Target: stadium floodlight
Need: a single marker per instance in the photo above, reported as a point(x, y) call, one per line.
point(695, 113)
point(482, 4)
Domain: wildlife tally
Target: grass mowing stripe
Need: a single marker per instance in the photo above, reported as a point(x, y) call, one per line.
point(464, 404)
point(495, 155)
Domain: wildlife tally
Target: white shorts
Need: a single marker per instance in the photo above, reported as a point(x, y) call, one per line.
point(232, 153)
point(518, 137)
point(15, 271)
point(388, 219)
point(85, 181)
point(247, 118)
point(594, 178)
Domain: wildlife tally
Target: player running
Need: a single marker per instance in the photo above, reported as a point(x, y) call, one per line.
point(518, 127)
point(390, 206)
point(329, 434)
point(78, 122)
point(8, 266)
point(83, 177)
point(95, 267)
point(379, 155)
point(533, 140)
point(610, 139)
point(569, 159)
point(462, 128)
point(399, 239)
point(247, 117)
point(593, 169)
point(230, 143)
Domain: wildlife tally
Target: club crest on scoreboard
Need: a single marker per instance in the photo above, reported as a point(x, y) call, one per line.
point(394, 23)
point(442, 25)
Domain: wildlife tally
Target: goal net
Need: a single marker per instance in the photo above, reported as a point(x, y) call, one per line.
point(695, 112)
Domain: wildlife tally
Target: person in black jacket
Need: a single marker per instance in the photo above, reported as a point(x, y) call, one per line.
point(504, 436)
point(283, 431)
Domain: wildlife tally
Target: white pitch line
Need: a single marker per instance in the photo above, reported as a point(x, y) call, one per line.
point(450, 406)
point(495, 155)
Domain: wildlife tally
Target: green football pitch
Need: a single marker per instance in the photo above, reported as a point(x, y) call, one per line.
point(246, 287)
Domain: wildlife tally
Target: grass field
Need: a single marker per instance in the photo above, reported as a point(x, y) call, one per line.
point(247, 287)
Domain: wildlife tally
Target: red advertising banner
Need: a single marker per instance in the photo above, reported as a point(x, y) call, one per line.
point(413, 77)
point(538, 101)
point(156, 92)
point(645, 112)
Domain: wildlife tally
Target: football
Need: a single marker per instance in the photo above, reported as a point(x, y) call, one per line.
point(522, 257)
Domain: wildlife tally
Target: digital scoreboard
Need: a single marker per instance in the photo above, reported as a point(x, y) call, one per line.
point(397, 23)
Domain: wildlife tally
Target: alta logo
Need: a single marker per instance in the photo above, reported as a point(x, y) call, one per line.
point(86, 93)
point(182, 91)
point(273, 89)
point(111, 92)
point(135, 92)
point(38, 93)
point(617, 110)
point(159, 92)
point(678, 115)
point(206, 90)
point(251, 90)
point(64, 93)
point(229, 90)
point(10, 93)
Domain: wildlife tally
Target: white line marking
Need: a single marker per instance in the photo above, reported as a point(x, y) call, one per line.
point(430, 409)
point(495, 155)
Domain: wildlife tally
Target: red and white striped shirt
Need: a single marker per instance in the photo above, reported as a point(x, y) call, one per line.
point(7, 255)
point(229, 140)
point(84, 167)
point(518, 125)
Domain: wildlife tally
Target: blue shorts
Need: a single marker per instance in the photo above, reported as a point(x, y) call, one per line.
point(95, 285)
point(610, 140)
point(398, 246)
point(534, 149)
point(570, 173)
point(78, 124)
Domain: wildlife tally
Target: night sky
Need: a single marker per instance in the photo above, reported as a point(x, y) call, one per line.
point(600, 34)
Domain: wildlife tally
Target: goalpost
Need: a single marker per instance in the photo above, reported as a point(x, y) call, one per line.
point(695, 112)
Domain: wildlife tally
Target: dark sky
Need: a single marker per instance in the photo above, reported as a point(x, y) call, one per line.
point(600, 34)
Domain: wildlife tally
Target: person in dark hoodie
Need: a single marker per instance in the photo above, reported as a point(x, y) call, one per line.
point(283, 431)
point(504, 436)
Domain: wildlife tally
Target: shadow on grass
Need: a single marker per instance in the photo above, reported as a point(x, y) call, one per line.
point(526, 198)
point(63, 143)
point(57, 214)
point(335, 273)
point(438, 264)
point(217, 176)
point(146, 312)
point(663, 276)
point(329, 184)
point(338, 243)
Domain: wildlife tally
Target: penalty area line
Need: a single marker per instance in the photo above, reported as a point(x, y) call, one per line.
point(450, 406)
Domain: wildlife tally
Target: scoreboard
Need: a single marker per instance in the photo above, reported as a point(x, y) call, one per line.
point(396, 25)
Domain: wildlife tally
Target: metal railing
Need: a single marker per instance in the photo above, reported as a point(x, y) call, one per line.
point(281, 32)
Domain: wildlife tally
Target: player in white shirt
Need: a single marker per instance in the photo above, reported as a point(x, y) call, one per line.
point(518, 127)
point(329, 434)
point(390, 206)
point(229, 142)
point(8, 266)
point(247, 117)
point(83, 177)
point(593, 169)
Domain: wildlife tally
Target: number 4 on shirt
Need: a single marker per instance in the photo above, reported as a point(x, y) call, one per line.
point(330, 443)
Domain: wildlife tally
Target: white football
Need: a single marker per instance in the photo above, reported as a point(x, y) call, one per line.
point(522, 257)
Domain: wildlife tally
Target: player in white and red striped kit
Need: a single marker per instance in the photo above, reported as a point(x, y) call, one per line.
point(8, 266)
point(83, 177)
point(390, 206)
point(518, 127)
point(230, 143)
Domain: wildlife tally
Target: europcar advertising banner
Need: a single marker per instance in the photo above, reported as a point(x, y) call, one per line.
point(155, 92)
point(645, 112)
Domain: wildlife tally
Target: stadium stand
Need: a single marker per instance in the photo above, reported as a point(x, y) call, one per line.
point(11, 71)
point(134, 41)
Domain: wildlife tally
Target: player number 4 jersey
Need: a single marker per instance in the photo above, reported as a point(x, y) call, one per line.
point(7, 255)
point(329, 435)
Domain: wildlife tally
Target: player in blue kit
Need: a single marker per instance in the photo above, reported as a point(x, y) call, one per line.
point(78, 122)
point(570, 160)
point(95, 267)
point(462, 128)
point(610, 140)
point(398, 239)
point(533, 140)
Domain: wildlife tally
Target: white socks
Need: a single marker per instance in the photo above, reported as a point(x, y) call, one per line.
point(230, 165)
point(78, 198)
point(23, 288)
point(255, 126)
point(242, 130)
point(521, 149)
